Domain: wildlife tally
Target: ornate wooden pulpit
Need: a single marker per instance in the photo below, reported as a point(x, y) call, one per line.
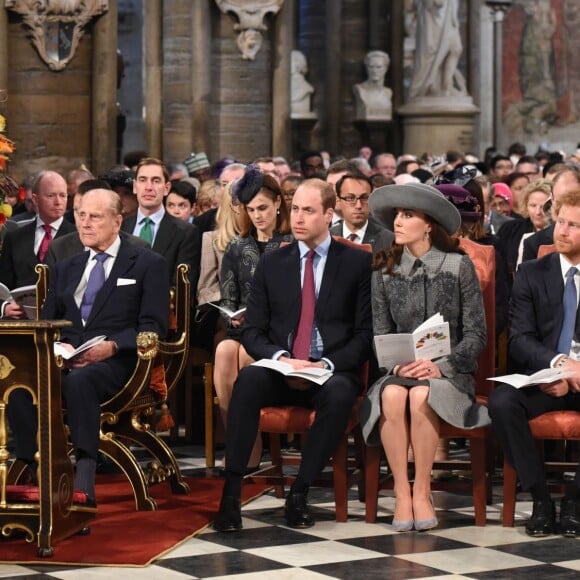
point(27, 362)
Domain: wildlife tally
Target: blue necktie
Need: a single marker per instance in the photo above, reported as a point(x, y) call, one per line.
point(570, 305)
point(94, 284)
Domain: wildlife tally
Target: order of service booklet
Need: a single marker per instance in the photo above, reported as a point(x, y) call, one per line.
point(25, 296)
point(314, 374)
point(428, 341)
point(60, 350)
point(229, 313)
point(543, 377)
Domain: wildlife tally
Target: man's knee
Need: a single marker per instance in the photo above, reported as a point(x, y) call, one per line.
point(502, 402)
point(252, 383)
point(339, 394)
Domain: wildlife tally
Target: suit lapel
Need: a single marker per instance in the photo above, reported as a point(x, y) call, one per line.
point(128, 224)
point(76, 268)
point(163, 236)
point(330, 273)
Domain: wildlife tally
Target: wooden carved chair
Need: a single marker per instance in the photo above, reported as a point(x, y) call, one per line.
point(297, 420)
point(483, 258)
point(123, 417)
point(555, 426)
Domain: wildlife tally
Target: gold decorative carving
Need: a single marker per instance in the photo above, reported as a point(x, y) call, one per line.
point(56, 26)
point(6, 367)
point(251, 15)
point(147, 345)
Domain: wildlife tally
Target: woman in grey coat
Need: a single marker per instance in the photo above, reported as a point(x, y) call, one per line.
point(424, 273)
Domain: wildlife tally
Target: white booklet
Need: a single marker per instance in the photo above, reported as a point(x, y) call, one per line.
point(543, 377)
point(25, 296)
point(229, 313)
point(61, 350)
point(428, 341)
point(314, 374)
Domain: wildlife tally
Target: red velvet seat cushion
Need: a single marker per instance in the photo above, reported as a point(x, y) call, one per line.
point(30, 493)
point(556, 425)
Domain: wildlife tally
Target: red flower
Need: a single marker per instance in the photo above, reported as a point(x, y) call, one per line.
point(21, 194)
point(2, 219)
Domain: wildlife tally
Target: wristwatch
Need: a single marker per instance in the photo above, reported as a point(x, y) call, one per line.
point(561, 361)
point(325, 365)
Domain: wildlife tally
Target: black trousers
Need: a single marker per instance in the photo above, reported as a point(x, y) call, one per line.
point(83, 391)
point(510, 410)
point(258, 387)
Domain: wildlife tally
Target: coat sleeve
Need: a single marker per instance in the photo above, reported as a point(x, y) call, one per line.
point(472, 329)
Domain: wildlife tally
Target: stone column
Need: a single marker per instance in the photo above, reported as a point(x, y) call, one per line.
point(201, 74)
point(3, 56)
point(283, 45)
point(152, 21)
point(104, 91)
point(333, 60)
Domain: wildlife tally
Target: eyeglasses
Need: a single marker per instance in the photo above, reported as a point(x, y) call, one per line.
point(352, 199)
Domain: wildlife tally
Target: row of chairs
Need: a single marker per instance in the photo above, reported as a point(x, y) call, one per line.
point(365, 465)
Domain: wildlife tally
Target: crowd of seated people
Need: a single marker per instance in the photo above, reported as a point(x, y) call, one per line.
point(228, 220)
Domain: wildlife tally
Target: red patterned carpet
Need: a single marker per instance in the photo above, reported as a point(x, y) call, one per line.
point(121, 536)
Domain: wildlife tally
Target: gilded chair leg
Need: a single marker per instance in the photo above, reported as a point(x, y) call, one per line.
point(122, 456)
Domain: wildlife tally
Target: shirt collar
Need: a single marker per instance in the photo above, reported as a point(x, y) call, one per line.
point(360, 232)
point(431, 260)
point(154, 217)
point(112, 250)
point(321, 250)
point(565, 265)
point(55, 225)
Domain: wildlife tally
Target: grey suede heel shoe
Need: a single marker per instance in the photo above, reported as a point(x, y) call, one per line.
point(402, 525)
point(422, 525)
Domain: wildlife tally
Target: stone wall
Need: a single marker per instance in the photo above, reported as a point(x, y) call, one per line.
point(48, 112)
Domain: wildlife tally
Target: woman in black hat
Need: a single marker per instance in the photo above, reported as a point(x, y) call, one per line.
point(424, 273)
point(264, 224)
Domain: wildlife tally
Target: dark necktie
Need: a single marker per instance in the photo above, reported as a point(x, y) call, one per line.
point(94, 284)
point(301, 347)
point(352, 237)
point(146, 232)
point(45, 242)
point(570, 305)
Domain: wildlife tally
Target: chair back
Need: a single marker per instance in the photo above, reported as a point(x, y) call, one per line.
point(483, 258)
point(546, 249)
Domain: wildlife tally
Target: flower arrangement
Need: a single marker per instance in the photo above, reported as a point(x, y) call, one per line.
point(8, 186)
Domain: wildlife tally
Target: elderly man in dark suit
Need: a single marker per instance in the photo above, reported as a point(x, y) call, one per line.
point(177, 241)
point(114, 290)
point(27, 246)
point(309, 306)
point(353, 193)
point(545, 332)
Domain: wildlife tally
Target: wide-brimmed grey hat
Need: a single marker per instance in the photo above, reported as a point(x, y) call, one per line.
point(417, 196)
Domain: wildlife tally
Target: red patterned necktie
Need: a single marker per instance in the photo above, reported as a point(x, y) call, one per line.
point(301, 347)
point(45, 242)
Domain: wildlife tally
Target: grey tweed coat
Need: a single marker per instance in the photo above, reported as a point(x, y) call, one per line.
point(438, 282)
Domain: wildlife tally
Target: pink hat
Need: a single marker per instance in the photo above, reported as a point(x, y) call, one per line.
point(502, 190)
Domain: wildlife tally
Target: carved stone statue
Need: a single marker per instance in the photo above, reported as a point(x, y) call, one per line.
point(372, 98)
point(56, 26)
point(301, 89)
point(437, 52)
point(251, 15)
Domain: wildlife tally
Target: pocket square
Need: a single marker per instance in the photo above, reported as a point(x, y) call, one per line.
point(126, 281)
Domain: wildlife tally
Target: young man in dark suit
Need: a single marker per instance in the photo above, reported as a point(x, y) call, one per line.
point(28, 245)
point(544, 332)
point(116, 290)
point(177, 241)
point(309, 305)
point(353, 193)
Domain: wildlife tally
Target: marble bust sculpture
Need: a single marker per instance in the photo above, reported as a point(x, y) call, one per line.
point(301, 89)
point(372, 98)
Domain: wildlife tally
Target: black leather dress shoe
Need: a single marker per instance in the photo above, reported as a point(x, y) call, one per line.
point(296, 512)
point(570, 518)
point(543, 519)
point(229, 518)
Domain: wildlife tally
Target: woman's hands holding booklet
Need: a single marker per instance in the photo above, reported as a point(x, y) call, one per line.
point(420, 369)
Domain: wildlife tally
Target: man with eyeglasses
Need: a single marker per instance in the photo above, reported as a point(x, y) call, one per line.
point(353, 193)
point(28, 245)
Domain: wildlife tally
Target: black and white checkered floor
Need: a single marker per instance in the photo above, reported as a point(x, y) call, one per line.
point(267, 549)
